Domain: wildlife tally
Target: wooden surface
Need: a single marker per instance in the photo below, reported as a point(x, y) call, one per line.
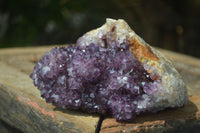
point(22, 107)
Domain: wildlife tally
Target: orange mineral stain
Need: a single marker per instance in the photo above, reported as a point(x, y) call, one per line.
point(48, 113)
point(142, 51)
point(19, 98)
point(43, 110)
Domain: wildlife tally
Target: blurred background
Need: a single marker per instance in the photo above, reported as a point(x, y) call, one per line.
point(168, 24)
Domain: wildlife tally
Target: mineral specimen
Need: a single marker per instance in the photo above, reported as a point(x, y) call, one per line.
point(110, 70)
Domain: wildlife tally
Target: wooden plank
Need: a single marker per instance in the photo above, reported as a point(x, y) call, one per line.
point(21, 104)
point(186, 119)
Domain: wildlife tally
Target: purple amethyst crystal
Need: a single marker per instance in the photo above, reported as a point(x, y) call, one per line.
point(93, 79)
point(110, 71)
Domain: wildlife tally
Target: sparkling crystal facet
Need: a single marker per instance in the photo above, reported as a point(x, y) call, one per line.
point(94, 79)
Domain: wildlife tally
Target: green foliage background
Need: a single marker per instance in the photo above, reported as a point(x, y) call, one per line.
point(172, 25)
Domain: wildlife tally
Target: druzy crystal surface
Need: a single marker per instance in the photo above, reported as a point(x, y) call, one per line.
point(94, 79)
point(110, 71)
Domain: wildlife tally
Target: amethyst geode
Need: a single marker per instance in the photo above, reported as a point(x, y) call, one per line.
point(110, 70)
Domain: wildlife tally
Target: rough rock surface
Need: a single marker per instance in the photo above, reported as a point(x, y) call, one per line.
point(110, 70)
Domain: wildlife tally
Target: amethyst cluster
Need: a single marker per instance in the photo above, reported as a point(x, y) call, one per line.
point(93, 79)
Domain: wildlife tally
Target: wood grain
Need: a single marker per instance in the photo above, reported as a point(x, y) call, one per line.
point(22, 107)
